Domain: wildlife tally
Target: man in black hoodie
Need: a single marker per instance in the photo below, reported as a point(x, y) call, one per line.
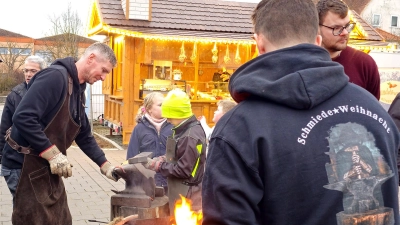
point(313, 148)
point(48, 119)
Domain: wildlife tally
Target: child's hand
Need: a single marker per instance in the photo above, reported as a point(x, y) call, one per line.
point(154, 163)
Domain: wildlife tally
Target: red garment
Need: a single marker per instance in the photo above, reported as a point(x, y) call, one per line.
point(361, 69)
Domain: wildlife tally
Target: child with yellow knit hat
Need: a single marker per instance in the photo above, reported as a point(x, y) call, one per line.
point(183, 164)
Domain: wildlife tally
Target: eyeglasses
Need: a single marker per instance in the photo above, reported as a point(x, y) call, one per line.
point(338, 30)
point(30, 70)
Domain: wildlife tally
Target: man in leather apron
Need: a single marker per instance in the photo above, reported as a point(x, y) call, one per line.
point(183, 164)
point(48, 119)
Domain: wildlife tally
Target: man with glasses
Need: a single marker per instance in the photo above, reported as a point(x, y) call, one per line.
point(32, 65)
point(335, 28)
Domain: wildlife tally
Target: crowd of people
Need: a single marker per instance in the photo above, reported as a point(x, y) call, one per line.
point(321, 150)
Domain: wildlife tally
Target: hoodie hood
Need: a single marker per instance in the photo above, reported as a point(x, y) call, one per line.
point(299, 77)
point(69, 64)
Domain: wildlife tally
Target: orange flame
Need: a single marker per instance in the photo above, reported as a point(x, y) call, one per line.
point(184, 214)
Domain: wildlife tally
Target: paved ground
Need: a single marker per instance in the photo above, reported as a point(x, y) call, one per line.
point(88, 190)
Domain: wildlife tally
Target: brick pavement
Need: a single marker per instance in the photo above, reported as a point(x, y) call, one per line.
point(88, 191)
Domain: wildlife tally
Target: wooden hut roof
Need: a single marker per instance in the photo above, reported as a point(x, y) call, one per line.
point(199, 15)
point(195, 18)
point(370, 33)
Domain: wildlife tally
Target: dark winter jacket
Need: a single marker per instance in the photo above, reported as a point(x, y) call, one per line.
point(394, 112)
point(10, 105)
point(303, 146)
point(41, 102)
point(145, 138)
point(191, 160)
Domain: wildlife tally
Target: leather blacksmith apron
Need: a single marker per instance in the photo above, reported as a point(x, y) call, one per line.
point(40, 197)
point(175, 185)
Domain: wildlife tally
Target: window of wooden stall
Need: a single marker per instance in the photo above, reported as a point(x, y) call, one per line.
point(198, 62)
point(107, 83)
point(119, 53)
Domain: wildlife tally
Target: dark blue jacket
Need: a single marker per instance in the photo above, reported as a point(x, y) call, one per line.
point(303, 146)
point(12, 101)
point(38, 107)
point(145, 138)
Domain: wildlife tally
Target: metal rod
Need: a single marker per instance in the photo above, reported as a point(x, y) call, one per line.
point(96, 221)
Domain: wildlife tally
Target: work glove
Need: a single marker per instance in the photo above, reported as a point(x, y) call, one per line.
point(108, 170)
point(154, 163)
point(59, 163)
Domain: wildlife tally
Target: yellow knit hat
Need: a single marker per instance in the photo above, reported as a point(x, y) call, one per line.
point(176, 105)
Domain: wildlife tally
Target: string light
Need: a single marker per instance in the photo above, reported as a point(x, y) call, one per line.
point(227, 59)
point(203, 40)
point(214, 51)
point(194, 53)
point(238, 60)
point(182, 56)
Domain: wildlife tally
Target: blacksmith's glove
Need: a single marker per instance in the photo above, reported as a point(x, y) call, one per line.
point(59, 163)
point(154, 163)
point(108, 170)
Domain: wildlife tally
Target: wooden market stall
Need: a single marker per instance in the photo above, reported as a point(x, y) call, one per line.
point(166, 44)
point(161, 45)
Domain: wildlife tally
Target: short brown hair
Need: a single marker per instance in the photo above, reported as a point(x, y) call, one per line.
point(281, 21)
point(334, 6)
point(226, 105)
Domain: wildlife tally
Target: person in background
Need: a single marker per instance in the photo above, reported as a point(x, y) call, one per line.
point(183, 164)
point(303, 145)
point(335, 28)
point(223, 107)
point(394, 112)
point(217, 76)
point(48, 119)
point(225, 76)
point(32, 65)
point(151, 132)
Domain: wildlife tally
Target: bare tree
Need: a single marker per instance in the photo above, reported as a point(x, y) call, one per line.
point(13, 55)
point(63, 37)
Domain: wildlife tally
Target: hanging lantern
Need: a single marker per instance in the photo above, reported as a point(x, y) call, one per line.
point(182, 56)
point(238, 60)
point(214, 58)
point(194, 53)
point(226, 57)
point(215, 53)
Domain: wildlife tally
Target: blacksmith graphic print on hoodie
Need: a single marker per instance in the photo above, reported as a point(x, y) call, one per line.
point(303, 146)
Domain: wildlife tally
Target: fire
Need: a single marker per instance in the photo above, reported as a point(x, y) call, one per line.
point(184, 214)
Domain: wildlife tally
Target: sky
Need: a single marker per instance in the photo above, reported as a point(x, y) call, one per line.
point(31, 17)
